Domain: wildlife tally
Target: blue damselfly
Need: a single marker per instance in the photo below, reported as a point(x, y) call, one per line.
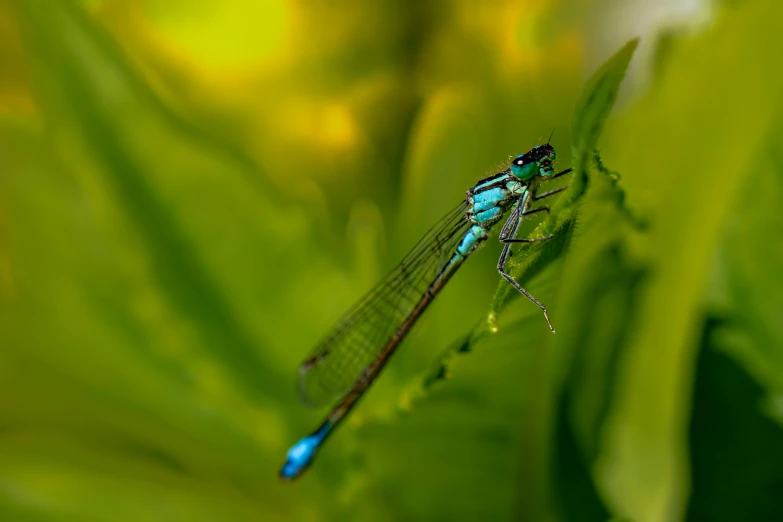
point(347, 361)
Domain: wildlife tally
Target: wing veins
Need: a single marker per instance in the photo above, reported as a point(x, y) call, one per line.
point(364, 329)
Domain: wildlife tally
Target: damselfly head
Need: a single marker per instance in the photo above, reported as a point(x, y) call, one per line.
point(536, 161)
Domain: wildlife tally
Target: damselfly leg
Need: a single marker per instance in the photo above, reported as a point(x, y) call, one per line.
point(508, 232)
point(549, 193)
point(554, 191)
point(506, 236)
point(536, 210)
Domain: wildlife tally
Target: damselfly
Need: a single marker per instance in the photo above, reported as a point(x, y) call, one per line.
point(351, 356)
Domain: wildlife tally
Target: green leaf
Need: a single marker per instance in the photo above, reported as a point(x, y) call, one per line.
point(593, 108)
point(746, 289)
point(729, 421)
point(686, 165)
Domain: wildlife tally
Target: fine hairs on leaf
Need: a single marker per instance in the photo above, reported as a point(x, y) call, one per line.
point(593, 108)
point(639, 222)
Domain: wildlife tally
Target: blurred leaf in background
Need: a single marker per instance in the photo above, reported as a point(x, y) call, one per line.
point(192, 192)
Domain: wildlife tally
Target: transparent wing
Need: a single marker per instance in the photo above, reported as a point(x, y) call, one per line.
point(358, 337)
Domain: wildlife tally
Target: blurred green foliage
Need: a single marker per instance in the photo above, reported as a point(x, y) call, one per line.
point(192, 192)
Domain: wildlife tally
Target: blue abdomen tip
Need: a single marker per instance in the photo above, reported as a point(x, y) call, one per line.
point(301, 454)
